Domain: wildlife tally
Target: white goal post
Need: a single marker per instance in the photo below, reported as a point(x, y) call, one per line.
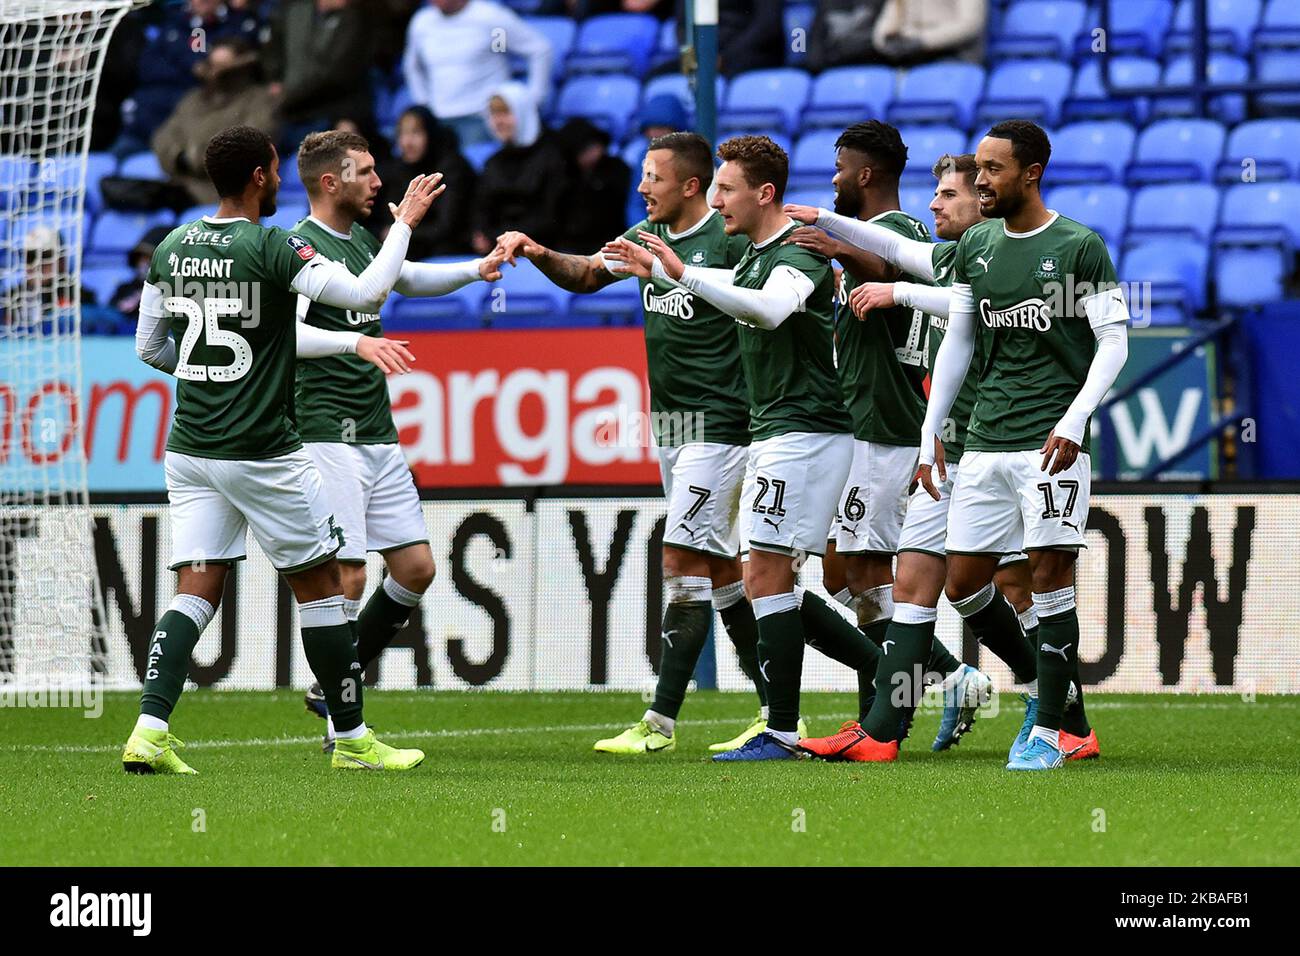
point(51, 609)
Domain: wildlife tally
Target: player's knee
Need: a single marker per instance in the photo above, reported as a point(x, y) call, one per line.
point(1052, 571)
point(418, 574)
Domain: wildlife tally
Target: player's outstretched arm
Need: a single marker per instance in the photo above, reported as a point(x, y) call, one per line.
point(572, 273)
point(438, 278)
point(931, 299)
point(153, 342)
point(388, 355)
point(909, 255)
point(946, 378)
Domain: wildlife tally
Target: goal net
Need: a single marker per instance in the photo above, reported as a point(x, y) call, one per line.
point(51, 610)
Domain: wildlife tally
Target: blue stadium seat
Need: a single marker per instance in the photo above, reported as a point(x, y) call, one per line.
point(291, 184)
point(1231, 25)
point(561, 32)
point(104, 281)
point(765, 98)
point(389, 106)
point(1246, 277)
point(675, 84)
point(1088, 98)
point(943, 92)
point(1039, 28)
point(915, 201)
point(846, 94)
point(1026, 89)
point(1176, 271)
point(1173, 211)
point(823, 197)
point(1091, 152)
point(115, 232)
point(1278, 66)
point(618, 303)
point(1104, 209)
point(1272, 147)
point(458, 310)
point(1135, 27)
point(812, 162)
point(607, 100)
point(477, 154)
point(666, 48)
point(632, 154)
point(195, 212)
point(142, 166)
point(1219, 68)
point(614, 43)
point(524, 298)
point(1176, 149)
point(925, 144)
point(1260, 213)
point(287, 215)
point(1279, 27)
point(797, 17)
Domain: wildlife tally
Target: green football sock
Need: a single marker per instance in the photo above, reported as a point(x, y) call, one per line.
point(327, 641)
point(827, 630)
point(741, 627)
point(898, 690)
point(386, 613)
point(997, 628)
point(170, 645)
point(1058, 647)
point(780, 652)
point(1075, 719)
point(685, 629)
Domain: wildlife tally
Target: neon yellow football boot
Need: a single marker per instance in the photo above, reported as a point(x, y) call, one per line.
point(749, 733)
point(153, 751)
point(367, 753)
point(639, 739)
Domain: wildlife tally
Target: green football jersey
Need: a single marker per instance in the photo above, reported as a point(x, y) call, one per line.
point(226, 287)
point(944, 256)
point(790, 370)
point(881, 359)
point(342, 398)
point(1035, 346)
point(697, 385)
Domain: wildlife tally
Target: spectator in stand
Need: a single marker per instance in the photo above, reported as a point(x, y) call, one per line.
point(840, 34)
point(231, 95)
point(426, 146)
point(166, 65)
point(458, 51)
point(46, 288)
point(126, 297)
point(318, 55)
point(596, 188)
point(751, 36)
point(914, 31)
point(522, 185)
point(661, 115)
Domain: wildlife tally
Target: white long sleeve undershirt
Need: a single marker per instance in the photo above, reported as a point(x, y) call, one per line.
point(930, 299)
point(330, 283)
point(783, 294)
point(950, 366)
point(436, 278)
point(910, 255)
point(153, 342)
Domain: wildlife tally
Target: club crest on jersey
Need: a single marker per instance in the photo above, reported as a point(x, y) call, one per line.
point(301, 246)
point(697, 257)
point(1047, 268)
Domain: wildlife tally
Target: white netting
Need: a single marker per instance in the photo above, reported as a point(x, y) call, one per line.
point(50, 57)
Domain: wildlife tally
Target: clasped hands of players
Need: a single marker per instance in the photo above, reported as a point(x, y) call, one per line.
point(639, 260)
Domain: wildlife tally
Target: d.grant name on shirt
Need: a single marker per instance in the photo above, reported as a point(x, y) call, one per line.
point(1030, 314)
point(187, 267)
point(677, 303)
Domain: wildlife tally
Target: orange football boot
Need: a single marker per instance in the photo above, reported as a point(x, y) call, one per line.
point(868, 750)
point(1080, 748)
point(833, 747)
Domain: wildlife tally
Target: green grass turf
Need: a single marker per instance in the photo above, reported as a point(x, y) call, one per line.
point(1204, 781)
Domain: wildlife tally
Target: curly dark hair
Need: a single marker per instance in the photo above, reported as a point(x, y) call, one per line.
point(880, 143)
point(1029, 144)
point(233, 154)
point(761, 160)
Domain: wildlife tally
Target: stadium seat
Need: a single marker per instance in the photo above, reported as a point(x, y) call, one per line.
point(1133, 27)
point(616, 304)
point(1091, 152)
point(458, 310)
point(195, 212)
point(1176, 149)
point(606, 100)
point(1035, 28)
point(1278, 66)
point(389, 106)
point(614, 43)
point(287, 215)
point(1246, 277)
point(765, 98)
point(812, 162)
point(666, 49)
point(477, 154)
point(1270, 146)
point(1173, 211)
point(943, 92)
point(1260, 213)
point(847, 94)
point(675, 84)
point(1230, 24)
point(1088, 98)
point(797, 17)
point(103, 281)
point(1279, 27)
point(1102, 208)
point(925, 144)
point(115, 232)
point(1026, 89)
point(561, 32)
point(524, 298)
point(1219, 68)
point(1175, 270)
point(823, 197)
point(142, 166)
point(632, 154)
point(915, 201)
point(291, 184)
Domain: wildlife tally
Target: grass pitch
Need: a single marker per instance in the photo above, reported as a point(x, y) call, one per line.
point(511, 779)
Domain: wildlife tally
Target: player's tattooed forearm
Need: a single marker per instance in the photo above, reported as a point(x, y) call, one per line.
point(570, 272)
